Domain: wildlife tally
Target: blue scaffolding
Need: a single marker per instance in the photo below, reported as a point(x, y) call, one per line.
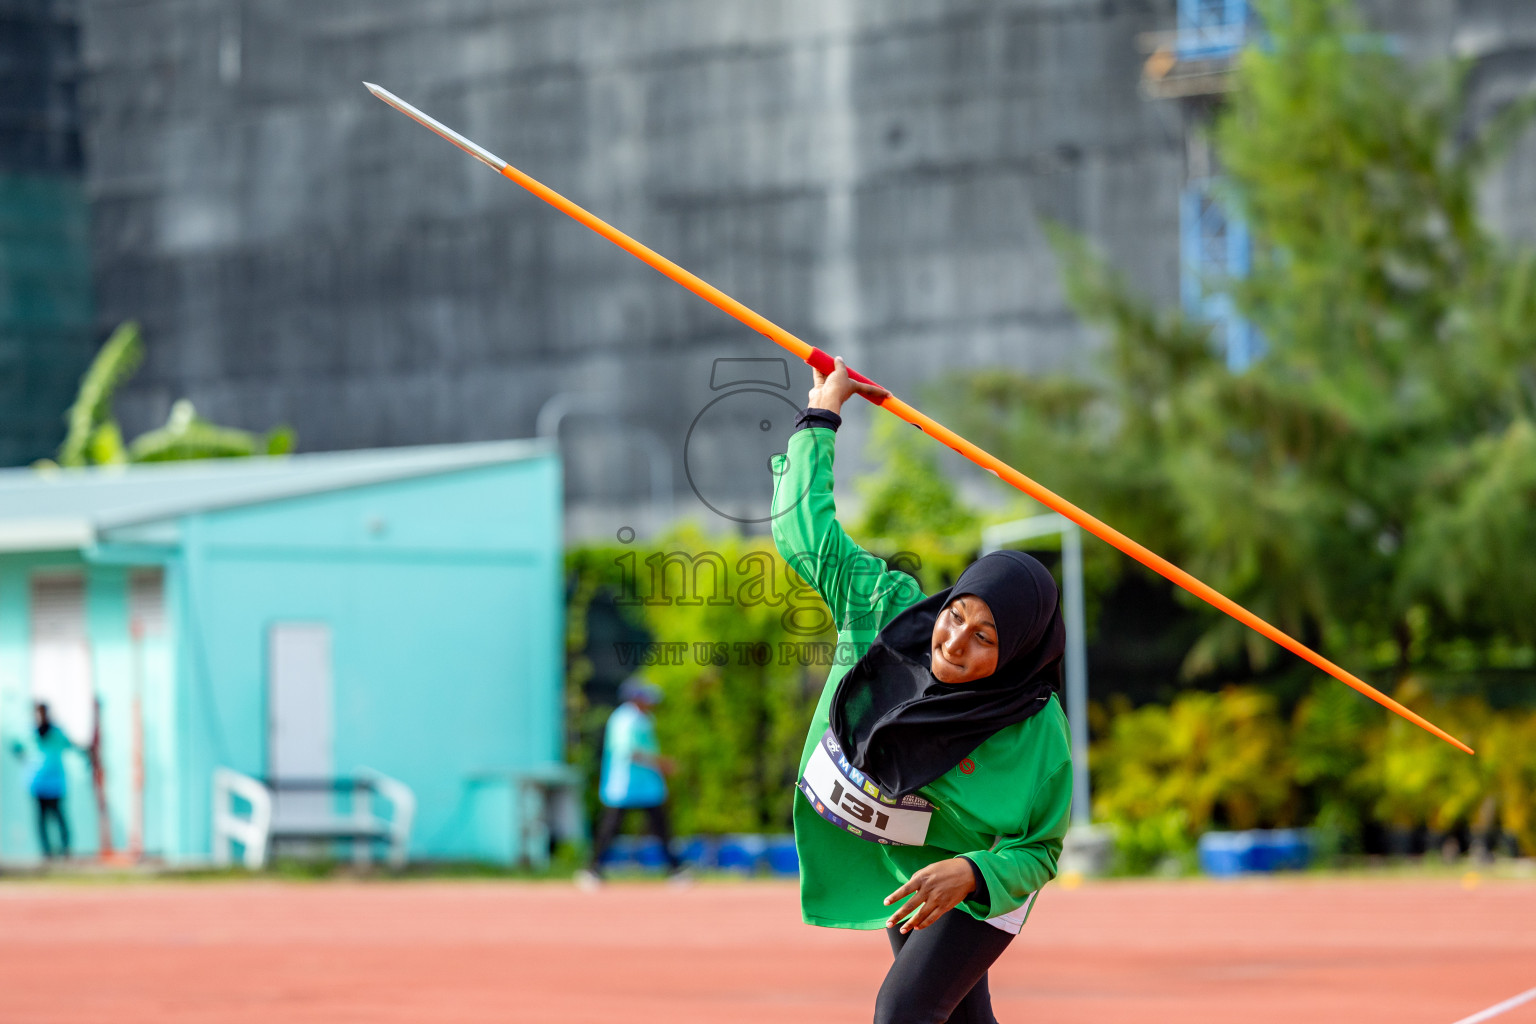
point(1211, 29)
point(1214, 249)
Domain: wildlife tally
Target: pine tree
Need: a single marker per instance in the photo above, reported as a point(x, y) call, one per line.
point(1368, 481)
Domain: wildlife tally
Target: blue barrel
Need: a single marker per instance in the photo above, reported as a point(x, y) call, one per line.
point(620, 853)
point(698, 852)
point(781, 856)
point(649, 853)
point(1225, 854)
point(1291, 849)
point(1263, 855)
point(740, 853)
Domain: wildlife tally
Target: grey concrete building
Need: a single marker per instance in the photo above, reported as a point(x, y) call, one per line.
point(46, 318)
point(871, 175)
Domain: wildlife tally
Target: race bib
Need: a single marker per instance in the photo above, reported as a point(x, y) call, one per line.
point(848, 799)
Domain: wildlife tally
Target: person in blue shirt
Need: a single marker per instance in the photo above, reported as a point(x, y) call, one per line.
point(633, 775)
point(48, 781)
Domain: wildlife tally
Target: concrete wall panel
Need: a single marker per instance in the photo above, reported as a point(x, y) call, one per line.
point(873, 176)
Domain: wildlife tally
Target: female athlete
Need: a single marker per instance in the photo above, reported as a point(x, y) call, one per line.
point(937, 774)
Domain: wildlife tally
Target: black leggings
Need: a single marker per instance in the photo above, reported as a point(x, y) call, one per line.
point(940, 973)
point(608, 827)
point(49, 807)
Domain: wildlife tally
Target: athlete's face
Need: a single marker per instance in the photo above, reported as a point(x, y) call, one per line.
point(964, 641)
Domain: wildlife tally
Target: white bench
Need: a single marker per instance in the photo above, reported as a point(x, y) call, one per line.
point(259, 831)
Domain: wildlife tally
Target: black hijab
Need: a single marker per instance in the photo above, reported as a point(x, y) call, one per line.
point(904, 728)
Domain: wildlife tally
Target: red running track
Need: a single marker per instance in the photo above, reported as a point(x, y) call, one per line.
point(1310, 951)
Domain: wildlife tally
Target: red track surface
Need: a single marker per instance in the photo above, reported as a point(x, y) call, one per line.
point(1109, 952)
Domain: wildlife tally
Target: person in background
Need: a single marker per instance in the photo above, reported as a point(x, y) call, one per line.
point(633, 777)
point(48, 781)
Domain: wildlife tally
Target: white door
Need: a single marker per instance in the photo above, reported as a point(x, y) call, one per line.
point(299, 733)
point(61, 655)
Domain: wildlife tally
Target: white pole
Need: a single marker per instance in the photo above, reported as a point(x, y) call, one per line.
point(1076, 669)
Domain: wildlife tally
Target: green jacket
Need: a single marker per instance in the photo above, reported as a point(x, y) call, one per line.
point(1007, 814)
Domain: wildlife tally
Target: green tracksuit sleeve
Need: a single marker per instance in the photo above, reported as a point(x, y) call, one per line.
point(1018, 865)
point(860, 591)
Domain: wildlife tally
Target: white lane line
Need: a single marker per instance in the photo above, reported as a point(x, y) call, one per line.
point(1504, 1007)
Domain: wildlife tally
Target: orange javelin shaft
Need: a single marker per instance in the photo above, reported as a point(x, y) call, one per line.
point(823, 362)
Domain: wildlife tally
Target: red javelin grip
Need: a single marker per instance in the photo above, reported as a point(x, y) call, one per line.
point(822, 362)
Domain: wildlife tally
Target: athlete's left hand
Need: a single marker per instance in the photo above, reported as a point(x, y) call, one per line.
point(935, 889)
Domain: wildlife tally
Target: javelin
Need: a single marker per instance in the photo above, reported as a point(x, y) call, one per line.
point(823, 362)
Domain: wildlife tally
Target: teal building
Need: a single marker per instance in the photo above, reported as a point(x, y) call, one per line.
point(399, 610)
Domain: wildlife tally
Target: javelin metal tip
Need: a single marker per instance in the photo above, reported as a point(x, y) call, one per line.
point(475, 150)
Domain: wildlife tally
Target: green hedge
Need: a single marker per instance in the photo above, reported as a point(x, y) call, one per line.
point(737, 648)
point(1164, 774)
point(742, 649)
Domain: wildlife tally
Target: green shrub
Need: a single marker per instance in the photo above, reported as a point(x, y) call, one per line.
point(741, 647)
point(1423, 781)
point(1163, 775)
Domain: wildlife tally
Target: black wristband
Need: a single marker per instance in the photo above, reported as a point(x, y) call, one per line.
point(811, 417)
point(979, 894)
